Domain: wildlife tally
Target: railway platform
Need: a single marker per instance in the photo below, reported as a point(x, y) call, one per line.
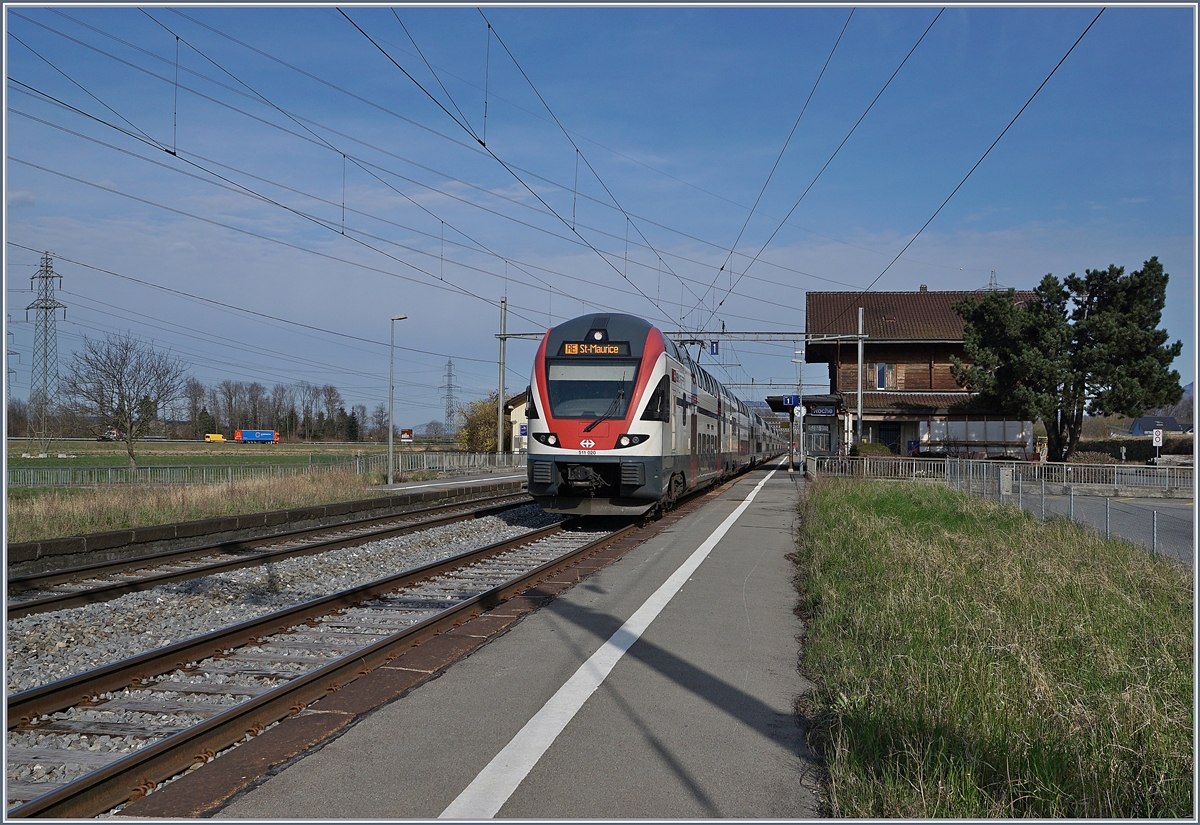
point(661, 686)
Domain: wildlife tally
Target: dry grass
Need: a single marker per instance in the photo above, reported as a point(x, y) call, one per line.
point(57, 513)
point(973, 662)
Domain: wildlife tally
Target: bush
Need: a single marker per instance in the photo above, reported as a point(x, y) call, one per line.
point(870, 448)
point(1138, 450)
point(1088, 457)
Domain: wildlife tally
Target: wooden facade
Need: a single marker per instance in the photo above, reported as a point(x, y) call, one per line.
point(910, 398)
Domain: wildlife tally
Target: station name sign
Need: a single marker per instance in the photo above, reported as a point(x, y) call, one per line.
point(587, 348)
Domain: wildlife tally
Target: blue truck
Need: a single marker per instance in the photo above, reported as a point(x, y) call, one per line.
point(256, 436)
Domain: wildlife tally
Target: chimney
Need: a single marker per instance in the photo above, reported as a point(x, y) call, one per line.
point(924, 288)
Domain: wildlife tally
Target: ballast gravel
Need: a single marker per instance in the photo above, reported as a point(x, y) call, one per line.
point(46, 647)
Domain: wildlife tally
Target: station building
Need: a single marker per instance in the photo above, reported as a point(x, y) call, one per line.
point(910, 400)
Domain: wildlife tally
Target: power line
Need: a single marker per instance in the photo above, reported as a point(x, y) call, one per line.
point(470, 147)
point(579, 154)
point(506, 167)
point(244, 191)
point(244, 310)
point(318, 141)
point(423, 127)
point(783, 149)
point(831, 157)
point(976, 166)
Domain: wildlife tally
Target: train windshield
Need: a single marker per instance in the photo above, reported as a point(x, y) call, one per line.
point(590, 390)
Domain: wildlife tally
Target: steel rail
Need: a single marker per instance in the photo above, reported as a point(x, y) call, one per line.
point(106, 592)
point(27, 705)
point(132, 776)
point(31, 581)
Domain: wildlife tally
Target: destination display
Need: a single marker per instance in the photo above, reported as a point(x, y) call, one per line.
point(608, 348)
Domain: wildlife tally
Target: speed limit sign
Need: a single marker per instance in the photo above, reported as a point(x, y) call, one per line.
point(1158, 438)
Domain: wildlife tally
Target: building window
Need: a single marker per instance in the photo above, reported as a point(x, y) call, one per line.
point(885, 375)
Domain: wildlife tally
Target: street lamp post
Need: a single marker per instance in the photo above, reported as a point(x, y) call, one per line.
point(391, 396)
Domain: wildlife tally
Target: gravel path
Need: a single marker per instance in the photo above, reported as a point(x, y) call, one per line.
point(46, 647)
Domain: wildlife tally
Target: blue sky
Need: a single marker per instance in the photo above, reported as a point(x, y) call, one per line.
point(673, 119)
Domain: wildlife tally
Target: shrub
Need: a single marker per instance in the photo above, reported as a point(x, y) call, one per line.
point(870, 448)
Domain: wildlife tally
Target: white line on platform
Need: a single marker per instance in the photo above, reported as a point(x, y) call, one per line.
point(488, 792)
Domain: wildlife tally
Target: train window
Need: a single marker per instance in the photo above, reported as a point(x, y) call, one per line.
point(530, 407)
point(590, 389)
point(659, 406)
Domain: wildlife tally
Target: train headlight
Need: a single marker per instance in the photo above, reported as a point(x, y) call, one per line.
point(549, 439)
point(630, 439)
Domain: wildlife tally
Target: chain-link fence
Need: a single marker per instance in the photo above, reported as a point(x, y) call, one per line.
point(405, 462)
point(1150, 506)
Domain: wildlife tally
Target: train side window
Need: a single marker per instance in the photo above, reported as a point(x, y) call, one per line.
point(659, 406)
point(530, 407)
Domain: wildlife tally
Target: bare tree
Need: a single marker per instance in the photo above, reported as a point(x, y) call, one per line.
point(193, 393)
point(122, 383)
point(283, 398)
point(308, 394)
point(379, 422)
point(214, 408)
point(331, 397)
point(229, 392)
point(256, 404)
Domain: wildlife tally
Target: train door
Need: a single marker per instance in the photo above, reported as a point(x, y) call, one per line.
point(693, 448)
point(720, 439)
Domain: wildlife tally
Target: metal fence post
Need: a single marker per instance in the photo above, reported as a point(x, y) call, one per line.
point(1043, 498)
point(1154, 545)
point(1071, 494)
point(1107, 518)
point(1020, 497)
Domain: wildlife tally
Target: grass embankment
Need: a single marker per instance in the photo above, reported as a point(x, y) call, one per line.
point(159, 453)
point(970, 661)
point(43, 514)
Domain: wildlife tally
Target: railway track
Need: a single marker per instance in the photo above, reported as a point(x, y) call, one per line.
point(82, 745)
point(76, 586)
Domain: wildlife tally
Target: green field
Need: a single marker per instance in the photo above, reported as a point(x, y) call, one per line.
point(159, 453)
point(970, 661)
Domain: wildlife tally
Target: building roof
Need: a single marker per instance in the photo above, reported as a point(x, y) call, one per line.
point(915, 402)
point(905, 316)
point(1148, 423)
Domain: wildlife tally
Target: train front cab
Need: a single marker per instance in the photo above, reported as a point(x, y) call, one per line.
point(599, 416)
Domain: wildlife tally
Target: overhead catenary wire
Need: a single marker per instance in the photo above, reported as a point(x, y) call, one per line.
point(503, 164)
point(779, 157)
point(330, 146)
point(516, 106)
point(428, 129)
point(821, 171)
point(318, 139)
point(392, 154)
point(579, 155)
point(297, 247)
point(970, 171)
point(343, 204)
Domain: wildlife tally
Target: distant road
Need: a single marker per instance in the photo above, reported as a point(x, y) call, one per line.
point(1131, 518)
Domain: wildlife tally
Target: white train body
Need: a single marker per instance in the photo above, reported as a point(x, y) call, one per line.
point(620, 420)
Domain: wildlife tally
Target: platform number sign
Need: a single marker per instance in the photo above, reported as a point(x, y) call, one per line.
point(791, 401)
point(713, 347)
point(1158, 438)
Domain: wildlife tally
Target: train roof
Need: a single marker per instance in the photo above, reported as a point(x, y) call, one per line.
point(611, 326)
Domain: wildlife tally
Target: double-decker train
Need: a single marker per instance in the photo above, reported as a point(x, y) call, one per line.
point(621, 420)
